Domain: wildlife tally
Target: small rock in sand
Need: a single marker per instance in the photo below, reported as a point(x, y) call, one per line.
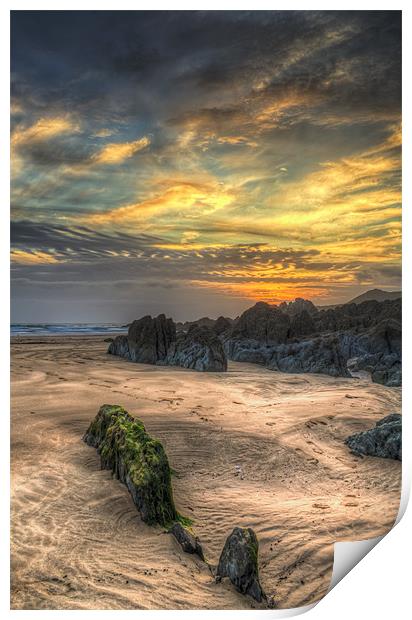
point(239, 562)
point(188, 542)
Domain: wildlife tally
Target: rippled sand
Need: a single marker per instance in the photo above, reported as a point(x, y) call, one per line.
point(77, 539)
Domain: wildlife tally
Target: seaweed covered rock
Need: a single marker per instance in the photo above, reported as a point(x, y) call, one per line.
point(138, 460)
point(199, 349)
point(384, 440)
point(188, 542)
point(239, 562)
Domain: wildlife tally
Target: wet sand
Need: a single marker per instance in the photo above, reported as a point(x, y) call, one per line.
point(77, 539)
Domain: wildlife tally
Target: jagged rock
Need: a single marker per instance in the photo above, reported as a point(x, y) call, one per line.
point(392, 377)
point(203, 322)
point(296, 337)
point(188, 542)
point(239, 562)
point(222, 324)
point(298, 306)
point(119, 346)
point(199, 349)
point(384, 440)
point(154, 341)
point(358, 317)
point(149, 339)
point(244, 350)
point(392, 417)
point(302, 324)
point(263, 323)
point(137, 460)
point(318, 355)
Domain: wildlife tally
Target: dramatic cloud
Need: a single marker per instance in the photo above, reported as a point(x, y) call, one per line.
point(231, 156)
point(116, 153)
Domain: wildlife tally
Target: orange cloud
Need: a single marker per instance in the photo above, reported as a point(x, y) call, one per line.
point(172, 196)
point(20, 257)
point(117, 152)
point(43, 129)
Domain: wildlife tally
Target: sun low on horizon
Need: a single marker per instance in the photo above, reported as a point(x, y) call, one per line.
point(194, 162)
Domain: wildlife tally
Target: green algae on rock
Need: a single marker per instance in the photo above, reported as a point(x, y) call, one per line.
point(138, 460)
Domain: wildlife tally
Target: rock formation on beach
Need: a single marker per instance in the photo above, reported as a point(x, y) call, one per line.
point(297, 337)
point(290, 337)
point(384, 440)
point(239, 562)
point(137, 460)
point(200, 349)
point(147, 341)
point(205, 321)
point(154, 341)
point(188, 542)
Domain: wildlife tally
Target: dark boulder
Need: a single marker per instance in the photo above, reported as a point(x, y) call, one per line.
point(149, 339)
point(119, 346)
point(384, 440)
point(264, 323)
point(239, 562)
point(199, 349)
point(188, 542)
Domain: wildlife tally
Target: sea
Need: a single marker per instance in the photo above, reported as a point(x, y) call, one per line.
point(66, 329)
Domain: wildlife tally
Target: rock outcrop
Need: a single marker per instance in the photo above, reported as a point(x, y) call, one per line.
point(297, 337)
point(137, 460)
point(222, 324)
point(188, 542)
point(154, 341)
point(384, 440)
point(147, 341)
point(263, 323)
point(199, 349)
point(239, 562)
point(298, 306)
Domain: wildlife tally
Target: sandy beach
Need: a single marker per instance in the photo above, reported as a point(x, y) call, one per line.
point(77, 539)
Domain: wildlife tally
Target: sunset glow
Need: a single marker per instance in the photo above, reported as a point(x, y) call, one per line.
point(233, 157)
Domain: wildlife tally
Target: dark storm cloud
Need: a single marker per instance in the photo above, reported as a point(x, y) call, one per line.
point(71, 242)
point(63, 58)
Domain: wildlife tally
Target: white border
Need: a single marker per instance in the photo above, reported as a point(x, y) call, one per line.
point(377, 587)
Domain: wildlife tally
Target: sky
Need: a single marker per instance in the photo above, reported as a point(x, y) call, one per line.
point(194, 163)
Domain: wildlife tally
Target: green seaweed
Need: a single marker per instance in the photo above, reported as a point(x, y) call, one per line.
point(138, 460)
